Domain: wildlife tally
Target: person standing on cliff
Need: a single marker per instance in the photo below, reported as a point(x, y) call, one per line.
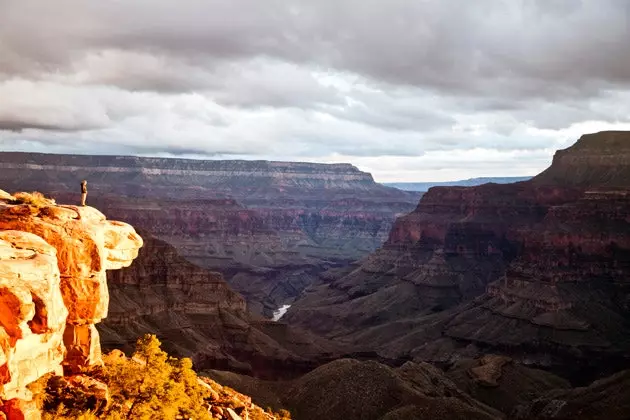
point(83, 192)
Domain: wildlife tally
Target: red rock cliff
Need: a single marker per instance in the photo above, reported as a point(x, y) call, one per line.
point(53, 289)
point(537, 270)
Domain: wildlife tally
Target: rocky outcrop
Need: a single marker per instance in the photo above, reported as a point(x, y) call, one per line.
point(227, 404)
point(269, 227)
point(53, 289)
point(348, 389)
point(196, 314)
point(32, 312)
point(536, 270)
point(604, 399)
point(501, 383)
point(598, 159)
point(489, 371)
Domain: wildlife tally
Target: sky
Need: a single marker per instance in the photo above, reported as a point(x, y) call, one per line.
point(409, 90)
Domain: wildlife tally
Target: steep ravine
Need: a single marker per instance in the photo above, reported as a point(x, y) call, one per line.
point(196, 314)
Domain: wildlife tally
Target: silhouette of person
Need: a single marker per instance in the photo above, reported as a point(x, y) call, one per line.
point(83, 192)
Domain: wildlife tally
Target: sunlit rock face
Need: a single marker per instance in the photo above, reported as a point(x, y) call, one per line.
point(53, 290)
point(32, 312)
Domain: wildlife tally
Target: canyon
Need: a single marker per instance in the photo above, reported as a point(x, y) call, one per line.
point(269, 227)
point(195, 313)
point(493, 301)
point(536, 270)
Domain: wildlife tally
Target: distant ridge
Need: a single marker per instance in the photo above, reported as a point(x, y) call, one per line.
point(598, 159)
point(424, 186)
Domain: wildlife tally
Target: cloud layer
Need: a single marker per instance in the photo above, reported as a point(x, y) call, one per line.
point(408, 89)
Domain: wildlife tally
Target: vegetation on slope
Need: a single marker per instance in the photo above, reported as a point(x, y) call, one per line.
point(149, 385)
point(35, 199)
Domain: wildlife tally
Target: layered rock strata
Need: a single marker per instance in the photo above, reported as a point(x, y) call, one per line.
point(270, 227)
point(196, 314)
point(444, 253)
point(53, 288)
point(536, 270)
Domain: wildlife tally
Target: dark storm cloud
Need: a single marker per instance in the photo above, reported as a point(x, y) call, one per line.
point(23, 124)
point(313, 78)
point(451, 46)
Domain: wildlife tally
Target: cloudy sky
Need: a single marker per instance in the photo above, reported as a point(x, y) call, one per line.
point(410, 90)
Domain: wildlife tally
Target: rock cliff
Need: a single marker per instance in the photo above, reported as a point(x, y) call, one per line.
point(536, 270)
point(596, 160)
point(270, 227)
point(53, 290)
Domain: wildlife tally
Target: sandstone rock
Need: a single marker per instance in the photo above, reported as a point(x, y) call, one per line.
point(53, 289)
point(229, 404)
point(232, 415)
point(87, 244)
point(18, 409)
point(490, 371)
point(83, 347)
point(32, 313)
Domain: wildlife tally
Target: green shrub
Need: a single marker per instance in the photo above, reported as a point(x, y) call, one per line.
point(284, 414)
point(150, 385)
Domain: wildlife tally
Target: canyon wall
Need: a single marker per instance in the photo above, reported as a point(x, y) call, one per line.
point(537, 270)
point(53, 291)
point(196, 314)
point(270, 227)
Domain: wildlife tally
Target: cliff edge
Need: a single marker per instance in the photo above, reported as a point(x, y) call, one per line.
point(53, 290)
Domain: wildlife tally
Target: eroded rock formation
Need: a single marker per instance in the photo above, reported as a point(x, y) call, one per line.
point(269, 227)
point(32, 312)
point(535, 270)
point(604, 399)
point(53, 289)
point(196, 314)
